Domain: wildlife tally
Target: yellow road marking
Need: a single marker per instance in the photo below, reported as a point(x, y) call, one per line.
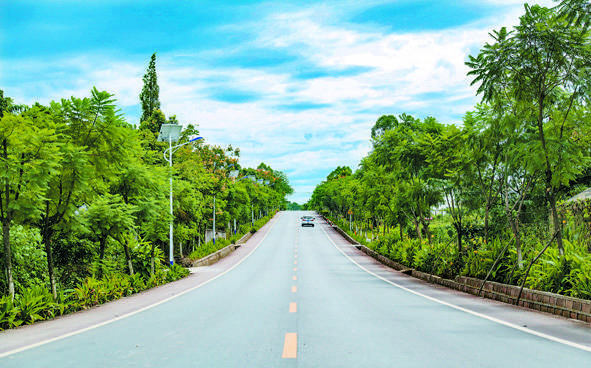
point(296, 256)
point(290, 346)
point(294, 278)
point(293, 308)
point(294, 289)
point(295, 269)
point(295, 262)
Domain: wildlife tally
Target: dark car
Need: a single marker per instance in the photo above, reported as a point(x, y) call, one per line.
point(307, 221)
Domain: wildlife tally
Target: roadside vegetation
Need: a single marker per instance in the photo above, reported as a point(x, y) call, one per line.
point(489, 196)
point(84, 201)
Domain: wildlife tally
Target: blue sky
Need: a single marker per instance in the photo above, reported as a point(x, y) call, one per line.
point(295, 84)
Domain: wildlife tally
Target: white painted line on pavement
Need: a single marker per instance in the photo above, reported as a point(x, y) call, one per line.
point(493, 319)
point(14, 351)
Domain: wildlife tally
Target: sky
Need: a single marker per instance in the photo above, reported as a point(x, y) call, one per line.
point(294, 84)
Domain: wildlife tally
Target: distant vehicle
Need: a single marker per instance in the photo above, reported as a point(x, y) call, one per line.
point(307, 221)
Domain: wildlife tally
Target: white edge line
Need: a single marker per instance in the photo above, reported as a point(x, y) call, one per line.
point(57, 338)
point(493, 319)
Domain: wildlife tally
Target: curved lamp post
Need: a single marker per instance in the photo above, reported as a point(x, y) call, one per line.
point(171, 133)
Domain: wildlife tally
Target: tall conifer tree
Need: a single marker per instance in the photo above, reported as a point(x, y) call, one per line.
point(150, 92)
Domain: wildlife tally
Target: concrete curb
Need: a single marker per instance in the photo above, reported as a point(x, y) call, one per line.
point(214, 257)
point(557, 304)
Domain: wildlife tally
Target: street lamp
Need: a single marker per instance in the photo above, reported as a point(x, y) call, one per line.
point(171, 133)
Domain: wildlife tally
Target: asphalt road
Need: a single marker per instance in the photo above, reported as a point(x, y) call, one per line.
point(300, 297)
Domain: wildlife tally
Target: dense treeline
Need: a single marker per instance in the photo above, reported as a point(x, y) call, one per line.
point(489, 194)
point(84, 194)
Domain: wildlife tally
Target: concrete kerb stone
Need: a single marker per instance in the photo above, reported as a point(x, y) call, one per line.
point(532, 299)
point(215, 257)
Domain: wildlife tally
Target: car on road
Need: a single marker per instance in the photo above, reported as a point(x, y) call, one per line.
point(307, 221)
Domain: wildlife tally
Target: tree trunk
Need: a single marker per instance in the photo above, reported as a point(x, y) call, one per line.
point(418, 230)
point(517, 237)
point(128, 257)
point(46, 235)
point(152, 260)
point(102, 246)
point(7, 256)
point(459, 232)
point(556, 222)
point(486, 215)
point(425, 226)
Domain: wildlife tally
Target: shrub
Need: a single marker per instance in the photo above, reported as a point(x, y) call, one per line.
point(89, 293)
point(141, 257)
point(35, 304)
point(8, 314)
point(176, 272)
point(580, 279)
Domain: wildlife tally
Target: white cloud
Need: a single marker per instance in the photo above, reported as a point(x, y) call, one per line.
point(396, 70)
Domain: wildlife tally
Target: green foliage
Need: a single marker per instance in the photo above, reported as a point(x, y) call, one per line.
point(210, 248)
point(176, 272)
point(30, 259)
point(92, 291)
point(493, 184)
point(149, 95)
point(87, 201)
point(8, 313)
point(141, 256)
point(35, 304)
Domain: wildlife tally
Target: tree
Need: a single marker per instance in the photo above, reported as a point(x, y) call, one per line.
point(484, 146)
point(93, 142)
point(576, 12)
point(149, 96)
point(542, 68)
point(8, 106)
point(29, 156)
point(402, 152)
point(339, 172)
point(110, 217)
point(382, 125)
point(451, 168)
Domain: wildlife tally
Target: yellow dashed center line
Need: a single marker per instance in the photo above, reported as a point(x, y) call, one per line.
point(294, 289)
point(293, 308)
point(295, 262)
point(294, 278)
point(290, 346)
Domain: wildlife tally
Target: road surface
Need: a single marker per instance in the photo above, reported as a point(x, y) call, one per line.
point(300, 297)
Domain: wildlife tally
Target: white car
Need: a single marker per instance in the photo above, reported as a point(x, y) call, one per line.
point(307, 221)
